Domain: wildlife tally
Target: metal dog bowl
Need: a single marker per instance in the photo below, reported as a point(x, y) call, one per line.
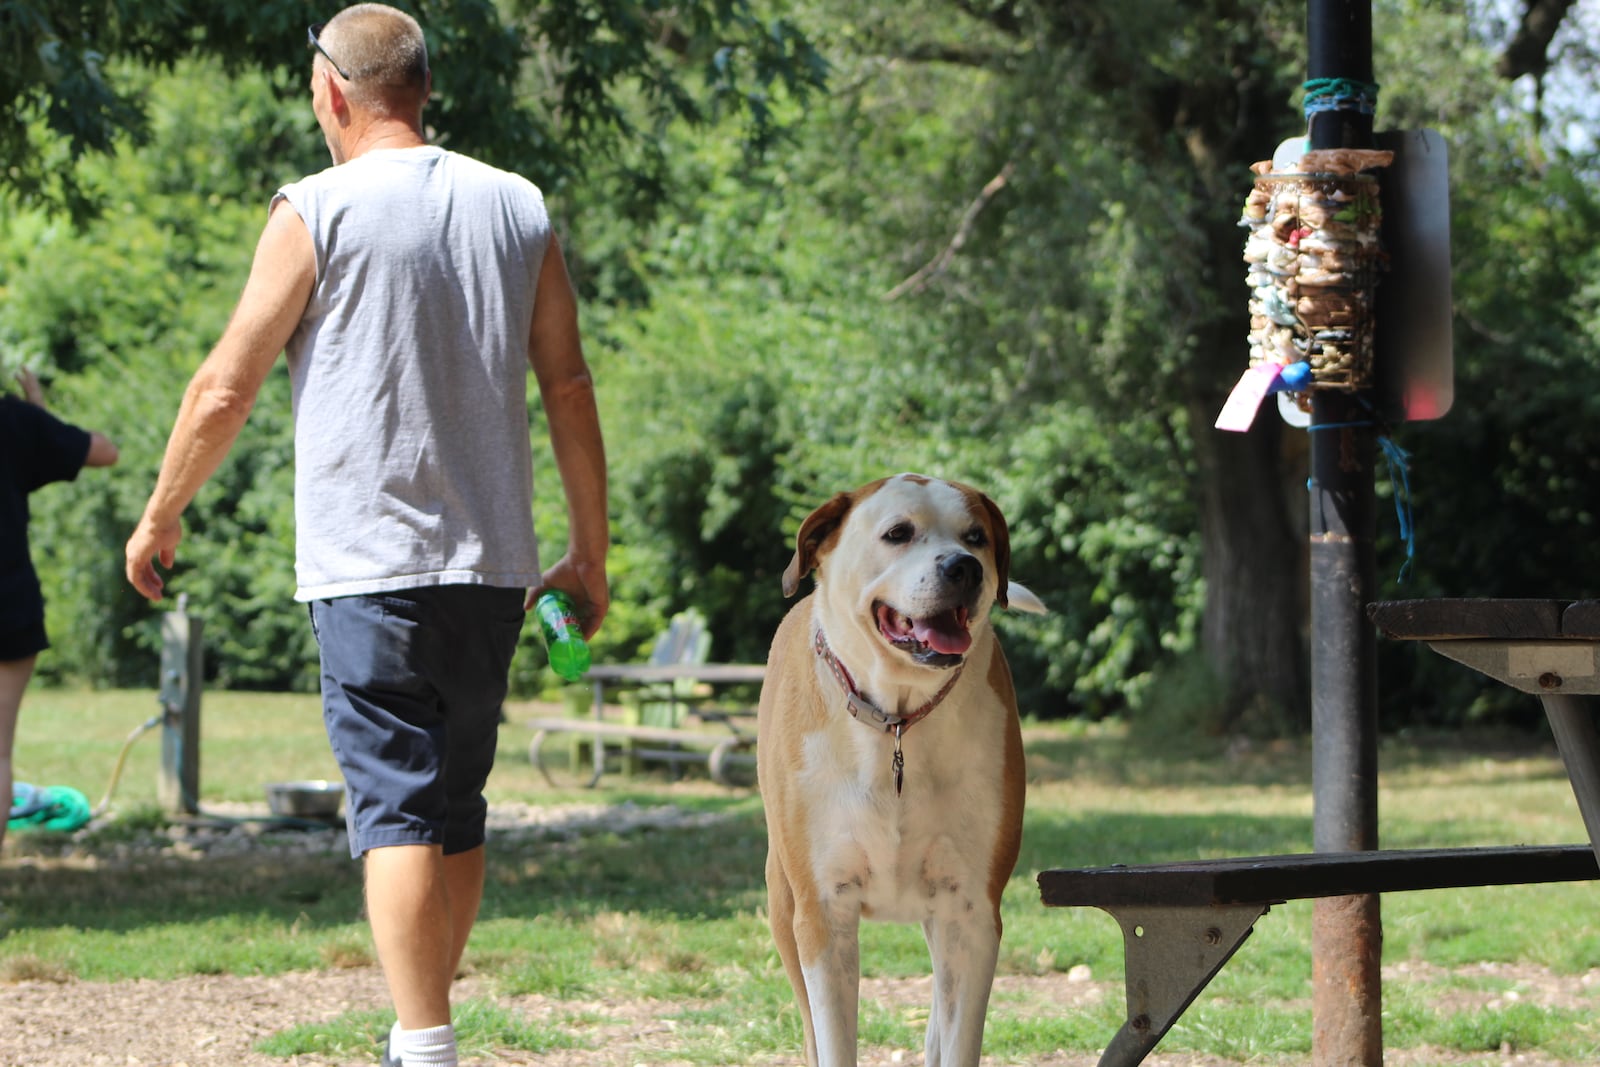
point(305, 800)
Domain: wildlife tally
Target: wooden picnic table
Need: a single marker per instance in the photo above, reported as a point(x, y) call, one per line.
point(1183, 921)
point(720, 751)
point(1549, 648)
point(625, 675)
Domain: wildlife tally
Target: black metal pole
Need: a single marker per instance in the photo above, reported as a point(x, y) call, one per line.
point(1347, 932)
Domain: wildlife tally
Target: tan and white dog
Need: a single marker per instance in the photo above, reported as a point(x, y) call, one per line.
point(890, 754)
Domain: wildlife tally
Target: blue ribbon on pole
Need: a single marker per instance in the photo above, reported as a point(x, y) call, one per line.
point(1398, 460)
point(1399, 463)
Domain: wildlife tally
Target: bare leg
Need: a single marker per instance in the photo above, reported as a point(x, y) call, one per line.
point(414, 928)
point(463, 878)
point(14, 675)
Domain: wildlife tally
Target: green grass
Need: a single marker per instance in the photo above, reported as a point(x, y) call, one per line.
point(676, 917)
point(484, 1027)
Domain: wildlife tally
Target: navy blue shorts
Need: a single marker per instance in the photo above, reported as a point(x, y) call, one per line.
point(412, 686)
point(20, 642)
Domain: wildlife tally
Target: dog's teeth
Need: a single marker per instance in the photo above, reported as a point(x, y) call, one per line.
point(895, 625)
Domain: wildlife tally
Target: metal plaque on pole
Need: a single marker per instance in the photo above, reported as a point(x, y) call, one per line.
point(1414, 373)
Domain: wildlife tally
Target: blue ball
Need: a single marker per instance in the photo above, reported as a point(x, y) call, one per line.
point(1295, 376)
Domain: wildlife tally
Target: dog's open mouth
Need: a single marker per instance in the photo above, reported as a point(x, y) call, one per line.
point(937, 640)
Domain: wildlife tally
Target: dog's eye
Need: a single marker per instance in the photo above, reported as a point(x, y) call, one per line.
point(975, 537)
point(898, 534)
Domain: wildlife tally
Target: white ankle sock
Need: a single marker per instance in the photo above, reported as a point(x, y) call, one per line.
point(433, 1047)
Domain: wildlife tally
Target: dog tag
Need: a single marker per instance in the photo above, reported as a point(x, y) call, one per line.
point(899, 761)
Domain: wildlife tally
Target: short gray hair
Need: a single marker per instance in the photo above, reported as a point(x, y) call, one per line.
point(383, 51)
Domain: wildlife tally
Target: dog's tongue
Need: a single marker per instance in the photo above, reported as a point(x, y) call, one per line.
point(945, 633)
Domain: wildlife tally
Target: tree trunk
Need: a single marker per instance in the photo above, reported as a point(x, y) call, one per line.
point(1251, 492)
point(1253, 628)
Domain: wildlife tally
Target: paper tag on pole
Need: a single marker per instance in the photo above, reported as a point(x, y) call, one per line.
point(1245, 400)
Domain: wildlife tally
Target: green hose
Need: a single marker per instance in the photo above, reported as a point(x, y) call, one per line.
point(58, 807)
point(62, 808)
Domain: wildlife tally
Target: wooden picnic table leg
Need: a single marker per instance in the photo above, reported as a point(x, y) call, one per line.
point(725, 756)
point(1572, 723)
point(1565, 676)
point(536, 756)
point(598, 746)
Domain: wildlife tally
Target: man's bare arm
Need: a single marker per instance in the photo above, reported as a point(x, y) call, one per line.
point(567, 390)
point(222, 392)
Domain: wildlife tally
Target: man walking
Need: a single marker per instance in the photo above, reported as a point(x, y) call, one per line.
point(411, 288)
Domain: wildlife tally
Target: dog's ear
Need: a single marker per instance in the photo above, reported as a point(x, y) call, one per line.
point(819, 527)
point(1000, 537)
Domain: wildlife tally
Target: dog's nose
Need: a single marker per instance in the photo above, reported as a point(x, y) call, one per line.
point(962, 571)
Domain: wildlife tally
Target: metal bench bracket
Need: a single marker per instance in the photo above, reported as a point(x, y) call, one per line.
point(1171, 955)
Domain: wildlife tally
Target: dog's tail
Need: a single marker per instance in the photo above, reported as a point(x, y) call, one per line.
point(1021, 598)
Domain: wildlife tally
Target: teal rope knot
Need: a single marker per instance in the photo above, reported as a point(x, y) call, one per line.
point(1339, 94)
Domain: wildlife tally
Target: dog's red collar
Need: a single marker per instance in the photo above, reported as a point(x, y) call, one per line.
point(864, 710)
point(868, 712)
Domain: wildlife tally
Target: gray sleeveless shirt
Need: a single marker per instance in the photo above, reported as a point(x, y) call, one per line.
point(409, 368)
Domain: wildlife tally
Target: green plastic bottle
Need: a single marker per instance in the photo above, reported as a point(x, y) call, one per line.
point(563, 636)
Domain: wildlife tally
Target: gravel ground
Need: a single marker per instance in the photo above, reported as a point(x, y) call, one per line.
point(216, 1019)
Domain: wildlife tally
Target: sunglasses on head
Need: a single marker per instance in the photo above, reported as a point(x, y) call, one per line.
point(312, 32)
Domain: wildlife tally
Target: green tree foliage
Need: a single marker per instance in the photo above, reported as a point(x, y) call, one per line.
point(119, 312)
point(168, 198)
point(1002, 249)
point(1051, 195)
point(1112, 551)
point(768, 372)
point(1055, 189)
point(536, 87)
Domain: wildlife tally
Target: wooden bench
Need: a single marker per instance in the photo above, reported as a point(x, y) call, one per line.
point(1183, 921)
point(678, 744)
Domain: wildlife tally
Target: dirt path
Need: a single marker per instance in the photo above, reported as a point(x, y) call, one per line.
point(215, 1020)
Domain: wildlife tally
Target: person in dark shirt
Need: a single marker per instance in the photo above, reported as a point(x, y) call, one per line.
point(36, 448)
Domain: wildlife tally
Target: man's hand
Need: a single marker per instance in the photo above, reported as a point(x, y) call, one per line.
point(585, 583)
point(148, 544)
point(31, 390)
